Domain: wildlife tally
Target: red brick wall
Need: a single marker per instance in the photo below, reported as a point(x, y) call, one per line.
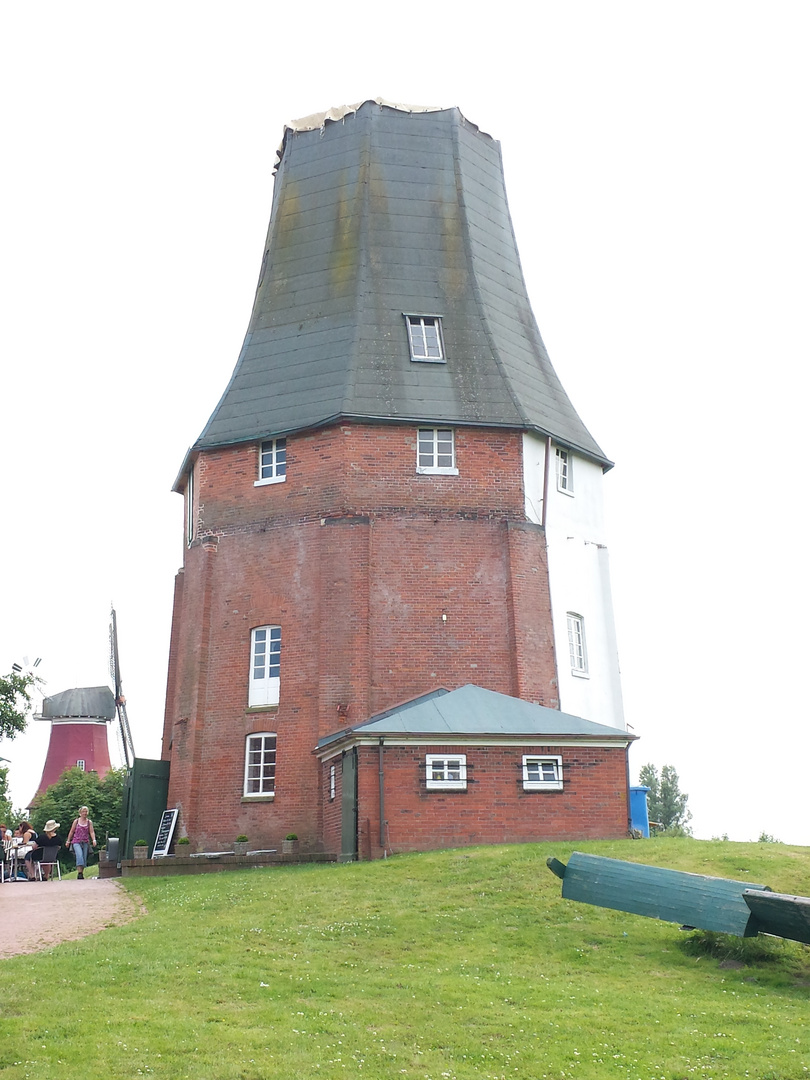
point(353, 468)
point(494, 809)
point(357, 558)
point(332, 807)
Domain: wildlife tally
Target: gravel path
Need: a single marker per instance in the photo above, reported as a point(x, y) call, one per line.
point(57, 911)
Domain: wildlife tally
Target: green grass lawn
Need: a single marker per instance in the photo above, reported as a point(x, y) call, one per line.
point(446, 965)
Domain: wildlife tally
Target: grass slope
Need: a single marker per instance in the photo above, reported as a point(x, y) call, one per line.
point(441, 966)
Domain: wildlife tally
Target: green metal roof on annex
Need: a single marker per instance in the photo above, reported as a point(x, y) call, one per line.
point(473, 712)
point(381, 211)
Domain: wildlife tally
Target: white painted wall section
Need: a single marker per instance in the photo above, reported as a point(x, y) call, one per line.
point(579, 578)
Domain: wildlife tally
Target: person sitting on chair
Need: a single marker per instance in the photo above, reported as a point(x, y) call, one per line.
point(5, 850)
point(48, 839)
point(24, 834)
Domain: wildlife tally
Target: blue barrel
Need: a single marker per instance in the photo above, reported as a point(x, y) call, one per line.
point(639, 815)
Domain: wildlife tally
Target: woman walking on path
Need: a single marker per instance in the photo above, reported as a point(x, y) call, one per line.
point(81, 835)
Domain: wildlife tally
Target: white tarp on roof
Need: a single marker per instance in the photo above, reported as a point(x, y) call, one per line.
point(339, 112)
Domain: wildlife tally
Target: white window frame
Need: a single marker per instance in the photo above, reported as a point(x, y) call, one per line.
point(264, 680)
point(446, 772)
point(332, 782)
point(431, 444)
point(272, 462)
point(577, 650)
point(536, 769)
point(80, 764)
point(424, 338)
point(261, 750)
point(564, 464)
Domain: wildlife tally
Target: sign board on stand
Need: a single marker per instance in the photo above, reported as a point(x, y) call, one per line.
point(165, 832)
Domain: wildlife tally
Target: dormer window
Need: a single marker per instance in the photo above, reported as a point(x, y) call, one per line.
point(425, 338)
point(272, 462)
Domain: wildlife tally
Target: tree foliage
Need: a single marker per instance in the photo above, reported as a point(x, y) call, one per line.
point(15, 702)
point(665, 800)
point(6, 809)
point(76, 788)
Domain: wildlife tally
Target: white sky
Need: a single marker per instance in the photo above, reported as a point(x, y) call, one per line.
point(657, 169)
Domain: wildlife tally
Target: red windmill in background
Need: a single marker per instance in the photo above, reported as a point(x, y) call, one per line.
point(79, 719)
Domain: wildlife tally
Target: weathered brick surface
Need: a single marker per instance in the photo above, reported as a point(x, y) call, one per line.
point(493, 809)
point(386, 584)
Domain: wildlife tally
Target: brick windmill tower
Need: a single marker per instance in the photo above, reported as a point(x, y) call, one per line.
point(395, 574)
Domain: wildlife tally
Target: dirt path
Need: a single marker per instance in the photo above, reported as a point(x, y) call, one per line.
point(55, 911)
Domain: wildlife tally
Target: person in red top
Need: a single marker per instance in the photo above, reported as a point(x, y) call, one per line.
point(81, 835)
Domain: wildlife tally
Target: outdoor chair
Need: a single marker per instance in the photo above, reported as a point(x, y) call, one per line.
point(49, 858)
point(5, 861)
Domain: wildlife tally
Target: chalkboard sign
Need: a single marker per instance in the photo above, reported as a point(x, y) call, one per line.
point(165, 833)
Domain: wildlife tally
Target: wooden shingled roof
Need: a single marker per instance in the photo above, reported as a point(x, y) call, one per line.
point(383, 213)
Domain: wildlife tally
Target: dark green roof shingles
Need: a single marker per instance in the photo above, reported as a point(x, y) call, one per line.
point(381, 213)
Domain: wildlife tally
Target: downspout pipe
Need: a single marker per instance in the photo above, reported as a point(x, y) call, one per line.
point(382, 795)
point(546, 467)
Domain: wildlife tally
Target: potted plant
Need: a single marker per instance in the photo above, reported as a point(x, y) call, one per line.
point(182, 846)
point(141, 849)
point(240, 845)
point(289, 845)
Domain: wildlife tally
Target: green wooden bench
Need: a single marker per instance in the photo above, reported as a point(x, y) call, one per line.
point(780, 914)
point(693, 900)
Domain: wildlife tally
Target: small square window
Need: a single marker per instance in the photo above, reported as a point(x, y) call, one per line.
point(272, 462)
point(436, 452)
point(260, 764)
point(425, 338)
point(542, 773)
point(448, 772)
point(576, 644)
point(565, 474)
point(80, 764)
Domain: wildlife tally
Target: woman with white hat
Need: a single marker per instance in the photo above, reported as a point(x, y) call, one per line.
point(46, 839)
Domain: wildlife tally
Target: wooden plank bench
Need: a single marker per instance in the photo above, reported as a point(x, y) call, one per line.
point(693, 900)
point(780, 914)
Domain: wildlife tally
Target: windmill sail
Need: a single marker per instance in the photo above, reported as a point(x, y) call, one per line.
point(124, 732)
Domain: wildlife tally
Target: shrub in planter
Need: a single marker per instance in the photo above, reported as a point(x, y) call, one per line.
point(141, 849)
point(289, 845)
point(182, 846)
point(240, 845)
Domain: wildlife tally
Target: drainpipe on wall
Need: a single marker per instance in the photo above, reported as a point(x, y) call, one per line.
point(382, 798)
point(627, 789)
point(546, 467)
